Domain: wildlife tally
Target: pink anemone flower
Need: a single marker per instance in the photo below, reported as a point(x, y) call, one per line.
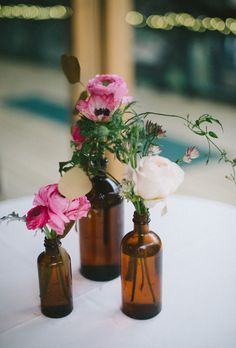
point(97, 108)
point(109, 84)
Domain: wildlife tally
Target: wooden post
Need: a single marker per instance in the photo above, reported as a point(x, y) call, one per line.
point(118, 54)
point(119, 40)
point(102, 41)
point(86, 39)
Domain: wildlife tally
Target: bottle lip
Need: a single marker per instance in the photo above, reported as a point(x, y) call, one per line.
point(141, 219)
point(52, 243)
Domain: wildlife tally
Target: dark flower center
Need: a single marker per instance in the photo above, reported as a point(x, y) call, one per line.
point(37, 211)
point(102, 111)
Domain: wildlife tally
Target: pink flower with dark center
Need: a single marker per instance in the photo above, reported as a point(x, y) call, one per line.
point(37, 217)
point(191, 153)
point(109, 84)
point(97, 108)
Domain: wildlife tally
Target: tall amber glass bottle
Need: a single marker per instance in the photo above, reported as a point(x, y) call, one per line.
point(55, 280)
point(141, 263)
point(102, 230)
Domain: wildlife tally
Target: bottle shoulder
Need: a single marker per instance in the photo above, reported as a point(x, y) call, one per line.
point(148, 237)
point(105, 193)
point(52, 256)
point(148, 243)
point(105, 185)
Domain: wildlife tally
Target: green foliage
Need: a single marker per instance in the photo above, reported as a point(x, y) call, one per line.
point(83, 95)
point(13, 217)
point(71, 68)
point(134, 138)
point(213, 135)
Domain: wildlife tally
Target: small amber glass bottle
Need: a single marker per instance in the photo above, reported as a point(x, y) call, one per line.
point(55, 280)
point(141, 263)
point(102, 230)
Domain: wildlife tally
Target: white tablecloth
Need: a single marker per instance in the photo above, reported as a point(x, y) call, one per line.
point(199, 286)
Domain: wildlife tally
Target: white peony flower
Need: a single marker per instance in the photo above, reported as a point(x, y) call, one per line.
point(155, 178)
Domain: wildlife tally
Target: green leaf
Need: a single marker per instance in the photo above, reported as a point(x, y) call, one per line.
point(63, 166)
point(71, 68)
point(83, 95)
point(212, 134)
point(200, 132)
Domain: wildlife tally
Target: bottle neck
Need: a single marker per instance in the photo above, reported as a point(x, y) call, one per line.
point(141, 223)
point(101, 166)
point(52, 245)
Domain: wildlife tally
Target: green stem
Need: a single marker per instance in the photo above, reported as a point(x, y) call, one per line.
point(148, 279)
point(209, 150)
point(190, 126)
point(49, 234)
point(60, 274)
point(130, 270)
point(134, 279)
point(139, 205)
point(142, 269)
point(44, 278)
point(145, 114)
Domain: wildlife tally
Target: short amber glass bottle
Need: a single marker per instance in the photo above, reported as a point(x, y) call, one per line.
point(102, 230)
point(141, 266)
point(55, 280)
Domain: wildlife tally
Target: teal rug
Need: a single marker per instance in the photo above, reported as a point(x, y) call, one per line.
point(40, 107)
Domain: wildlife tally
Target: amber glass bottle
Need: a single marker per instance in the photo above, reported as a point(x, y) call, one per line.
point(55, 280)
point(102, 230)
point(141, 262)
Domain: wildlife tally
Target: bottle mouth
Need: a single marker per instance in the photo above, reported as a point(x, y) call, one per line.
point(141, 219)
point(52, 243)
point(100, 163)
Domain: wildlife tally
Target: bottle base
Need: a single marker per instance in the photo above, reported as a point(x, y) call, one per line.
point(100, 273)
point(141, 311)
point(56, 311)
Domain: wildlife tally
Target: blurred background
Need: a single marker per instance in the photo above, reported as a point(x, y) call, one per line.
point(178, 57)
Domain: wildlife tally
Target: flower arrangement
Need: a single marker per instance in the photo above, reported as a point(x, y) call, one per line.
point(52, 212)
point(99, 124)
point(107, 121)
point(53, 215)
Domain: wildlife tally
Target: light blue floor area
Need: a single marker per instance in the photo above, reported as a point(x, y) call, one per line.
point(175, 150)
point(39, 106)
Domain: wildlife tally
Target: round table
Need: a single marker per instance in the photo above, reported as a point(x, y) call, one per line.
point(199, 285)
